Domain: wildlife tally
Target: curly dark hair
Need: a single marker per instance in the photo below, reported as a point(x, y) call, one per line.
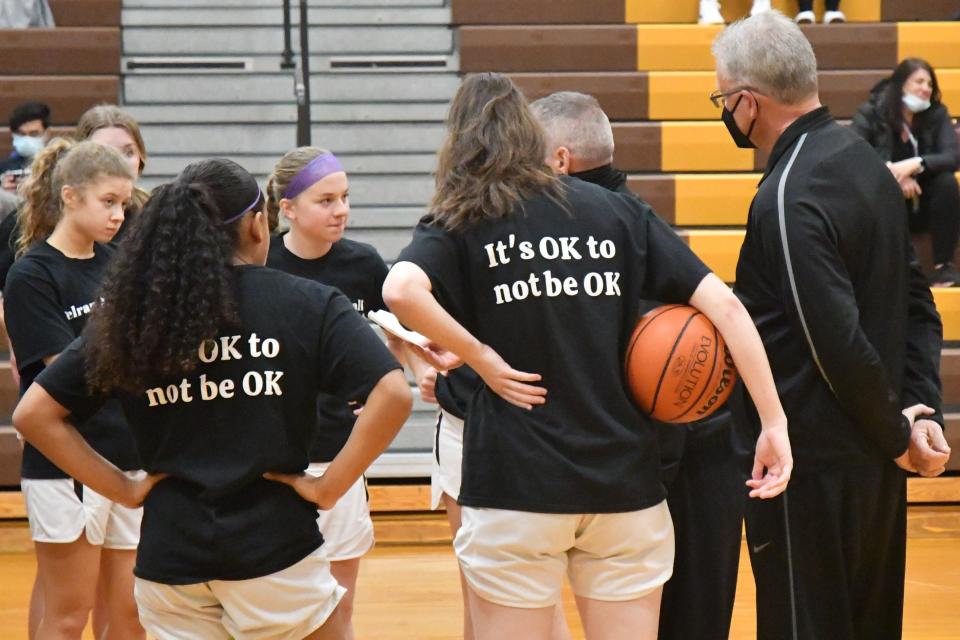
point(169, 288)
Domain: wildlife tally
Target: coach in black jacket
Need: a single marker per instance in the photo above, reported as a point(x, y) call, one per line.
point(853, 338)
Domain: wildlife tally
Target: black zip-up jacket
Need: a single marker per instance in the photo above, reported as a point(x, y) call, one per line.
point(828, 275)
point(933, 128)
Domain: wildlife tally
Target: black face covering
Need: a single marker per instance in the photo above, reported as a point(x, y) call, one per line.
point(740, 138)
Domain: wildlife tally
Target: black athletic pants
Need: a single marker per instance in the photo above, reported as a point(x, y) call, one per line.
point(938, 213)
point(828, 555)
point(707, 496)
point(807, 5)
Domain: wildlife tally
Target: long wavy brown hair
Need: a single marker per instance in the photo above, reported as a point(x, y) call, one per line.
point(493, 157)
point(170, 285)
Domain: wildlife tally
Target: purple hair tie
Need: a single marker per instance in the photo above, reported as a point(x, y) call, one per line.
point(315, 171)
point(247, 210)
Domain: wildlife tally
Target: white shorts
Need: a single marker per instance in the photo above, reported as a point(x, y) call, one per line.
point(347, 528)
point(286, 605)
point(517, 558)
point(60, 510)
point(447, 458)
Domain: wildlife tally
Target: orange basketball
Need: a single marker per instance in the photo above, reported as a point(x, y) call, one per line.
point(678, 367)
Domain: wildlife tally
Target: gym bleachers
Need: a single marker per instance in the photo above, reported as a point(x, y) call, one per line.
point(651, 69)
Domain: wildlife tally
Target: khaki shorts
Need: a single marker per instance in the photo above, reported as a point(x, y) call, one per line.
point(286, 605)
point(60, 510)
point(447, 459)
point(517, 558)
point(347, 528)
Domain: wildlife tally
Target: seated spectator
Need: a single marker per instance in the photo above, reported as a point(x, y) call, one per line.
point(832, 15)
point(18, 14)
point(29, 123)
point(911, 129)
point(710, 10)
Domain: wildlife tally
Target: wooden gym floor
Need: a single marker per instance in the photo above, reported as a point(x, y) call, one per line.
point(412, 591)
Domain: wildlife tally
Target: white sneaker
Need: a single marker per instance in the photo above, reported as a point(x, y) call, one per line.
point(710, 12)
point(759, 6)
point(834, 17)
point(806, 17)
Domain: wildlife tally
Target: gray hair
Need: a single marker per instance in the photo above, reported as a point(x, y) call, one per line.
point(770, 53)
point(576, 121)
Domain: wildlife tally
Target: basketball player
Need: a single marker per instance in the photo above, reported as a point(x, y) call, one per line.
point(74, 205)
point(702, 466)
point(309, 187)
point(217, 364)
point(853, 337)
point(548, 272)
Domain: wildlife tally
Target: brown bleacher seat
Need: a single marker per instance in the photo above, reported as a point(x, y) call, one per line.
point(683, 95)
point(68, 96)
point(10, 454)
point(60, 51)
point(537, 11)
point(86, 13)
point(906, 10)
point(557, 48)
point(623, 95)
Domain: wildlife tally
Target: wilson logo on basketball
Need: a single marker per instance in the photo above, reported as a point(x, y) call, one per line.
point(727, 377)
point(677, 365)
point(688, 385)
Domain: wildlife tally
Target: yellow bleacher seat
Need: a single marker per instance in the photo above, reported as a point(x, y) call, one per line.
point(701, 146)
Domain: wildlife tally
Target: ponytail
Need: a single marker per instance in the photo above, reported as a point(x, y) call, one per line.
point(40, 212)
point(170, 286)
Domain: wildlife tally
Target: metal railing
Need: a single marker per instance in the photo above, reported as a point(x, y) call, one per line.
point(301, 74)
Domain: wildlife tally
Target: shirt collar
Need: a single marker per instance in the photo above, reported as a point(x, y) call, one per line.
point(606, 176)
point(808, 121)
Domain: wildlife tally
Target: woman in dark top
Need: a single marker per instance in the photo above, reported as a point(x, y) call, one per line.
point(217, 362)
point(516, 265)
point(911, 129)
point(75, 199)
point(310, 189)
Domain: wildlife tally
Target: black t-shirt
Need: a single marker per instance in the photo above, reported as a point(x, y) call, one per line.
point(47, 299)
point(357, 271)
point(555, 290)
point(9, 232)
point(216, 430)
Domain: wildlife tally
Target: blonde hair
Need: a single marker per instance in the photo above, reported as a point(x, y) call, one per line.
point(493, 157)
point(108, 116)
point(62, 162)
point(284, 172)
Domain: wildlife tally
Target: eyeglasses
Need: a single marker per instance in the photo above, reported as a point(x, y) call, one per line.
point(718, 96)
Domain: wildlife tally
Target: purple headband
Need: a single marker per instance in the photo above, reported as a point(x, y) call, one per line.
point(315, 171)
point(247, 210)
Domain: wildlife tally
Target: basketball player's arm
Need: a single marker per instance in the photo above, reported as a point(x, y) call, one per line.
point(42, 421)
point(386, 409)
point(408, 292)
point(728, 314)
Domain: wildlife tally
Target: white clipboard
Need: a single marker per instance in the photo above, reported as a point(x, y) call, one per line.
point(389, 323)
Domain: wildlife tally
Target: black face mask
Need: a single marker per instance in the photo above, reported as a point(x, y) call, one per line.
point(740, 138)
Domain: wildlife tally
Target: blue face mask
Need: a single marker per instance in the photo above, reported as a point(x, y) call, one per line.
point(28, 146)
